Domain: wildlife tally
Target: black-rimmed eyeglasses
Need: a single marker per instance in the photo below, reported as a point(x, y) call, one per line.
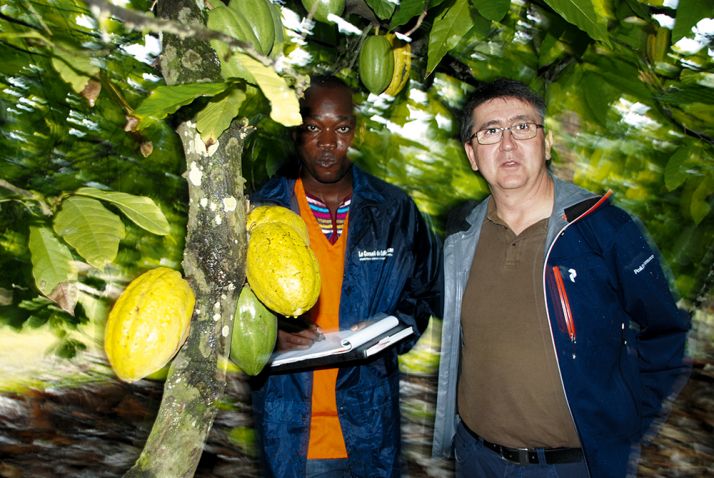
point(520, 131)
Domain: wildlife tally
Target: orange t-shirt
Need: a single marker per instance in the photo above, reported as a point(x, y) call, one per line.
point(326, 440)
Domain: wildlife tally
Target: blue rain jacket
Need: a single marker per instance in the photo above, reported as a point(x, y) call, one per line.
point(618, 335)
point(406, 282)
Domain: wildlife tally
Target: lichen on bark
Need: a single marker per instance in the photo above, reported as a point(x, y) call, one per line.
point(203, 65)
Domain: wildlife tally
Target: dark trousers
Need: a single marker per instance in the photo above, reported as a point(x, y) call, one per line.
point(474, 460)
point(337, 468)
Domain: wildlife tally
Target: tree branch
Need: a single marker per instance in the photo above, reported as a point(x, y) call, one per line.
point(134, 20)
point(25, 194)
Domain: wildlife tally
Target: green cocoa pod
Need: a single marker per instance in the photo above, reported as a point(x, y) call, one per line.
point(230, 22)
point(376, 63)
point(255, 330)
point(258, 15)
point(277, 27)
point(320, 9)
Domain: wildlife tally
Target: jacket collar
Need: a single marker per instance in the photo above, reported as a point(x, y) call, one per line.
point(570, 202)
point(364, 188)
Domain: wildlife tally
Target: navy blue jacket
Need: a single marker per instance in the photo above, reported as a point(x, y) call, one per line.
point(618, 334)
point(406, 283)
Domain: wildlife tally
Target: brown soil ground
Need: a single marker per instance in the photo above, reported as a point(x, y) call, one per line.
point(98, 431)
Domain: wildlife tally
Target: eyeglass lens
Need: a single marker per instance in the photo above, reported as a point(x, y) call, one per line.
point(520, 131)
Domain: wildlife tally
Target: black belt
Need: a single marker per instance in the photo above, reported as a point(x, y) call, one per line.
point(529, 456)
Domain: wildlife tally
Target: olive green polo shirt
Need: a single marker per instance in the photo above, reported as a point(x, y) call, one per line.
point(509, 389)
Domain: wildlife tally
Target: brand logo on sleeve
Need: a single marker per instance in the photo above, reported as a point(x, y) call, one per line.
point(375, 255)
point(643, 265)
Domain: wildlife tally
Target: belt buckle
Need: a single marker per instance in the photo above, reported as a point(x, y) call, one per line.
point(523, 458)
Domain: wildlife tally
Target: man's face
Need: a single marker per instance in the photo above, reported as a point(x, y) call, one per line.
point(326, 133)
point(511, 164)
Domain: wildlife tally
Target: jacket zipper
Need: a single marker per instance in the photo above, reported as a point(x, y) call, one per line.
point(552, 337)
point(564, 303)
point(545, 297)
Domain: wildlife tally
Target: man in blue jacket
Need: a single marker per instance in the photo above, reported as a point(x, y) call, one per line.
point(377, 255)
point(561, 338)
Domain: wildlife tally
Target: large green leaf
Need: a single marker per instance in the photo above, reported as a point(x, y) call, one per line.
point(51, 260)
point(76, 80)
point(689, 12)
point(90, 228)
point(494, 10)
point(217, 115)
point(407, 10)
point(165, 100)
point(675, 173)
point(551, 48)
point(683, 93)
point(699, 206)
point(582, 14)
point(284, 105)
point(695, 117)
point(628, 7)
point(231, 67)
point(142, 210)
point(598, 95)
point(96, 309)
point(382, 8)
point(447, 32)
point(619, 73)
point(74, 66)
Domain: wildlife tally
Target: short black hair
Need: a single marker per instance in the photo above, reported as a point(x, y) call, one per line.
point(326, 81)
point(498, 88)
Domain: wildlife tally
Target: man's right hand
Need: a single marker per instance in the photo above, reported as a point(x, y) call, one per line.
point(298, 340)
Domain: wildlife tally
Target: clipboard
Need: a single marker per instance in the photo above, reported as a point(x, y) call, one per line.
point(344, 346)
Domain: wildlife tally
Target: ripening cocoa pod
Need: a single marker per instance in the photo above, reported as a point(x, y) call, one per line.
point(148, 323)
point(273, 213)
point(282, 270)
point(402, 52)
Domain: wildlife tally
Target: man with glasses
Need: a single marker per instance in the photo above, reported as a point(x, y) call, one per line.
point(561, 338)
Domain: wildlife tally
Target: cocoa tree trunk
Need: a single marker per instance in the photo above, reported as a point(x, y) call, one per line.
point(214, 264)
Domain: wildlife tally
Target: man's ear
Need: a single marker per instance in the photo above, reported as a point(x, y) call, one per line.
point(548, 145)
point(471, 154)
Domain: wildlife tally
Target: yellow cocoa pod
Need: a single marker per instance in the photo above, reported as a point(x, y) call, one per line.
point(273, 213)
point(148, 323)
point(282, 270)
point(402, 52)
